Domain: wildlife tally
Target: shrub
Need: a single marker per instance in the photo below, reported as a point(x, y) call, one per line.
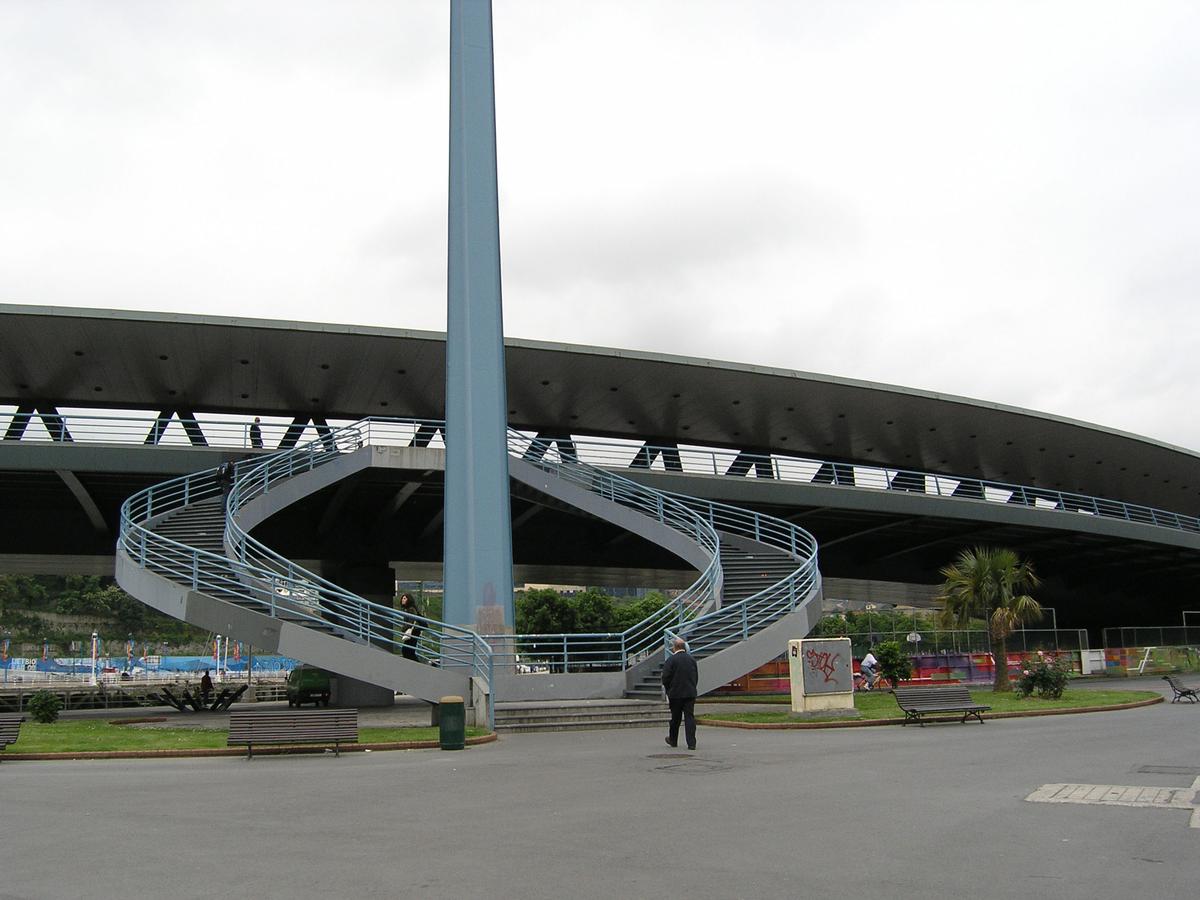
point(894, 664)
point(44, 707)
point(1045, 675)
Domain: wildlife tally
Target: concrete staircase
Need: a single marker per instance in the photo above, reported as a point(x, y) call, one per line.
point(200, 525)
point(749, 568)
point(178, 554)
point(649, 686)
point(580, 715)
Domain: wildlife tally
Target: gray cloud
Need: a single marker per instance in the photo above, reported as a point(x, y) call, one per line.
point(668, 233)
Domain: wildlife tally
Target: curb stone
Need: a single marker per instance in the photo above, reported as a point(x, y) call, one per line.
point(871, 723)
point(274, 750)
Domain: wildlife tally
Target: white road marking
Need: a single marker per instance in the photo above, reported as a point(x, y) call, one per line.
point(1122, 795)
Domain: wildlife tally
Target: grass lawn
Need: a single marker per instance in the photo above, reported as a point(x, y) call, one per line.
point(882, 705)
point(76, 737)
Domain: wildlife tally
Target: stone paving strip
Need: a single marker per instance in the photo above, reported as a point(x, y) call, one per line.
point(1122, 795)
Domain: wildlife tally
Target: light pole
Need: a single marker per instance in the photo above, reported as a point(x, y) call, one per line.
point(95, 650)
point(4, 655)
point(1053, 624)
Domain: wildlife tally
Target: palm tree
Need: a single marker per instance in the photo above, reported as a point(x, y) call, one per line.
point(992, 583)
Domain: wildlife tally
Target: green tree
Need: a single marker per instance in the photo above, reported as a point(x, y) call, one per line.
point(84, 596)
point(993, 583)
point(629, 614)
point(594, 612)
point(22, 592)
point(544, 611)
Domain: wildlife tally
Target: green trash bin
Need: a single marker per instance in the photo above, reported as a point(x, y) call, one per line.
point(452, 723)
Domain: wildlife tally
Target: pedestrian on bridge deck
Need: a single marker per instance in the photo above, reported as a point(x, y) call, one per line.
point(679, 677)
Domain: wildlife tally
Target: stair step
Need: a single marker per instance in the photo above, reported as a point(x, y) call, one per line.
point(550, 715)
point(567, 715)
point(570, 715)
point(587, 725)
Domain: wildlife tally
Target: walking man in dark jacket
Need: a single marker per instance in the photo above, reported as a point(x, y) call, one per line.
point(679, 679)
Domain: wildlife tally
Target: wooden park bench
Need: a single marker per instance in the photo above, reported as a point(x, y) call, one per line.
point(917, 701)
point(316, 726)
point(10, 727)
point(1181, 690)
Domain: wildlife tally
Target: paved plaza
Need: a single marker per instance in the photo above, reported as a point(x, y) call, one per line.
point(938, 811)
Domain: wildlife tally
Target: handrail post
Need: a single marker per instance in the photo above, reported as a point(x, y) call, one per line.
point(491, 711)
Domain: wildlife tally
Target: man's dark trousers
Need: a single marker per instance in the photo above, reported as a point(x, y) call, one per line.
point(682, 708)
point(679, 678)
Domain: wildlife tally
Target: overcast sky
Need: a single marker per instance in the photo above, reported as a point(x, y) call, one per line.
point(994, 199)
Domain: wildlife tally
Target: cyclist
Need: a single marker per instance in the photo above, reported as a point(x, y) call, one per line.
point(869, 667)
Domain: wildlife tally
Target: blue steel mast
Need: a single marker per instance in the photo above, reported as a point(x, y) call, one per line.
point(478, 528)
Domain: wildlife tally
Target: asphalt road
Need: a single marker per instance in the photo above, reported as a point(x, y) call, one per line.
point(872, 813)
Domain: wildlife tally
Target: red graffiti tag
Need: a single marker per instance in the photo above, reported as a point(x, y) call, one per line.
point(822, 661)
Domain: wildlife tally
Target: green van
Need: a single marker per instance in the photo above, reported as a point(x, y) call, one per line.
point(308, 684)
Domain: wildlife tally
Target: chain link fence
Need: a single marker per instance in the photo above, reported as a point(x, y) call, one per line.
point(1152, 636)
point(956, 640)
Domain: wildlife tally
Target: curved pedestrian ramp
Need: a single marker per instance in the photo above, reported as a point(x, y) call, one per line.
point(187, 549)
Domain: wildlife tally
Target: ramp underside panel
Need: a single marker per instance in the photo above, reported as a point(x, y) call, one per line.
point(747, 655)
point(270, 635)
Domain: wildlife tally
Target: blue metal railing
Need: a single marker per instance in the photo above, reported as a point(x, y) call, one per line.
point(836, 475)
point(578, 651)
point(567, 652)
point(609, 649)
point(697, 520)
point(294, 593)
point(849, 476)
